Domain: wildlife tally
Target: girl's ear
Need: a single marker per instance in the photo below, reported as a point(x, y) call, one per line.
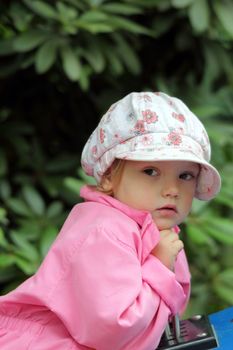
point(106, 184)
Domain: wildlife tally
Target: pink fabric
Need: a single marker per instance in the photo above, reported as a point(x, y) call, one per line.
point(99, 287)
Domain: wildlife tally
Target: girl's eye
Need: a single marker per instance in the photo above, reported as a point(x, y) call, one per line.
point(150, 172)
point(187, 176)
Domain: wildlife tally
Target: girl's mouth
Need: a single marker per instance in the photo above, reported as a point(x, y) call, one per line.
point(168, 210)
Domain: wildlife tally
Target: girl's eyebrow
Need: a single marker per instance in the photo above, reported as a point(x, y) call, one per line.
point(149, 166)
point(144, 165)
point(193, 169)
point(149, 163)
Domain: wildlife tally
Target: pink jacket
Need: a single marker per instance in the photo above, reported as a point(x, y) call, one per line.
point(98, 287)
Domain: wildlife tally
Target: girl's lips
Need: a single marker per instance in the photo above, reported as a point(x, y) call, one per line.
point(169, 207)
point(167, 210)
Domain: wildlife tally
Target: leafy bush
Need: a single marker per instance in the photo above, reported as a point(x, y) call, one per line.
point(62, 64)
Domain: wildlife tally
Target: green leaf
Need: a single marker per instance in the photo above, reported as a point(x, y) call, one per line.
point(29, 40)
point(30, 228)
point(128, 55)
point(225, 198)
point(95, 22)
point(3, 242)
point(54, 209)
point(211, 72)
point(67, 13)
point(225, 293)
point(198, 207)
point(46, 56)
point(121, 9)
point(86, 178)
point(223, 285)
point(221, 229)
point(23, 247)
point(21, 17)
point(95, 3)
point(6, 260)
point(34, 200)
point(74, 185)
point(95, 27)
point(93, 16)
point(199, 15)
point(115, 64)
point(78, 4)
point(128, 25)
point(224, 11)
point(41, 8)
point(48, 237)
point(18, 206)
point(71, 64)
point(26, 266)
point(84, 77)
point(181, 3)
point(94, 56)
point(5, 189)
point(197, 235)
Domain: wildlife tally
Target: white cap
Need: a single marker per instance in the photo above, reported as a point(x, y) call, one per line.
point(147, 126)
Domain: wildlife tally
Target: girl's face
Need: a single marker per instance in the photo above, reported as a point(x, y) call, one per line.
point(165, 188)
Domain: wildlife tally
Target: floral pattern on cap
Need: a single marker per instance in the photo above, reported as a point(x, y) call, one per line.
point(151, 126)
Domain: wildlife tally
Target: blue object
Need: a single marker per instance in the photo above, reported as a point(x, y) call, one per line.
point(223, 325)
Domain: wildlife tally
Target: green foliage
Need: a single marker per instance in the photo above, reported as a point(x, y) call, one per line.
point(62, 64)
point(62, 35)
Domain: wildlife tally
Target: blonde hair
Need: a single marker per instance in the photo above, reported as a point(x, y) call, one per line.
point(113, 173)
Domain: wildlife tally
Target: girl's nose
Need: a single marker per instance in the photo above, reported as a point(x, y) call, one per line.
point(170, 189)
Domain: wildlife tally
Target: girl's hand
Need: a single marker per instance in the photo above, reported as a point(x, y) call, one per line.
point(168, 248)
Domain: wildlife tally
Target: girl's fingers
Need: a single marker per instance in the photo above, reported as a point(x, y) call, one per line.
point(179, 245)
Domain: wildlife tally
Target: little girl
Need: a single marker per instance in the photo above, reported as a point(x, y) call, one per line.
point(117, 271)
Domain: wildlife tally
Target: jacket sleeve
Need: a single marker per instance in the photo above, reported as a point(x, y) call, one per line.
point(109, 300)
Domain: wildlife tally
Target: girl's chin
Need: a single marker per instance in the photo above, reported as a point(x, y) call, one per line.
point(163, 224)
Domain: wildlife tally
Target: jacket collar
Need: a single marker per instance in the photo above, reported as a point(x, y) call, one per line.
point(88, 193)
point(149, 232)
